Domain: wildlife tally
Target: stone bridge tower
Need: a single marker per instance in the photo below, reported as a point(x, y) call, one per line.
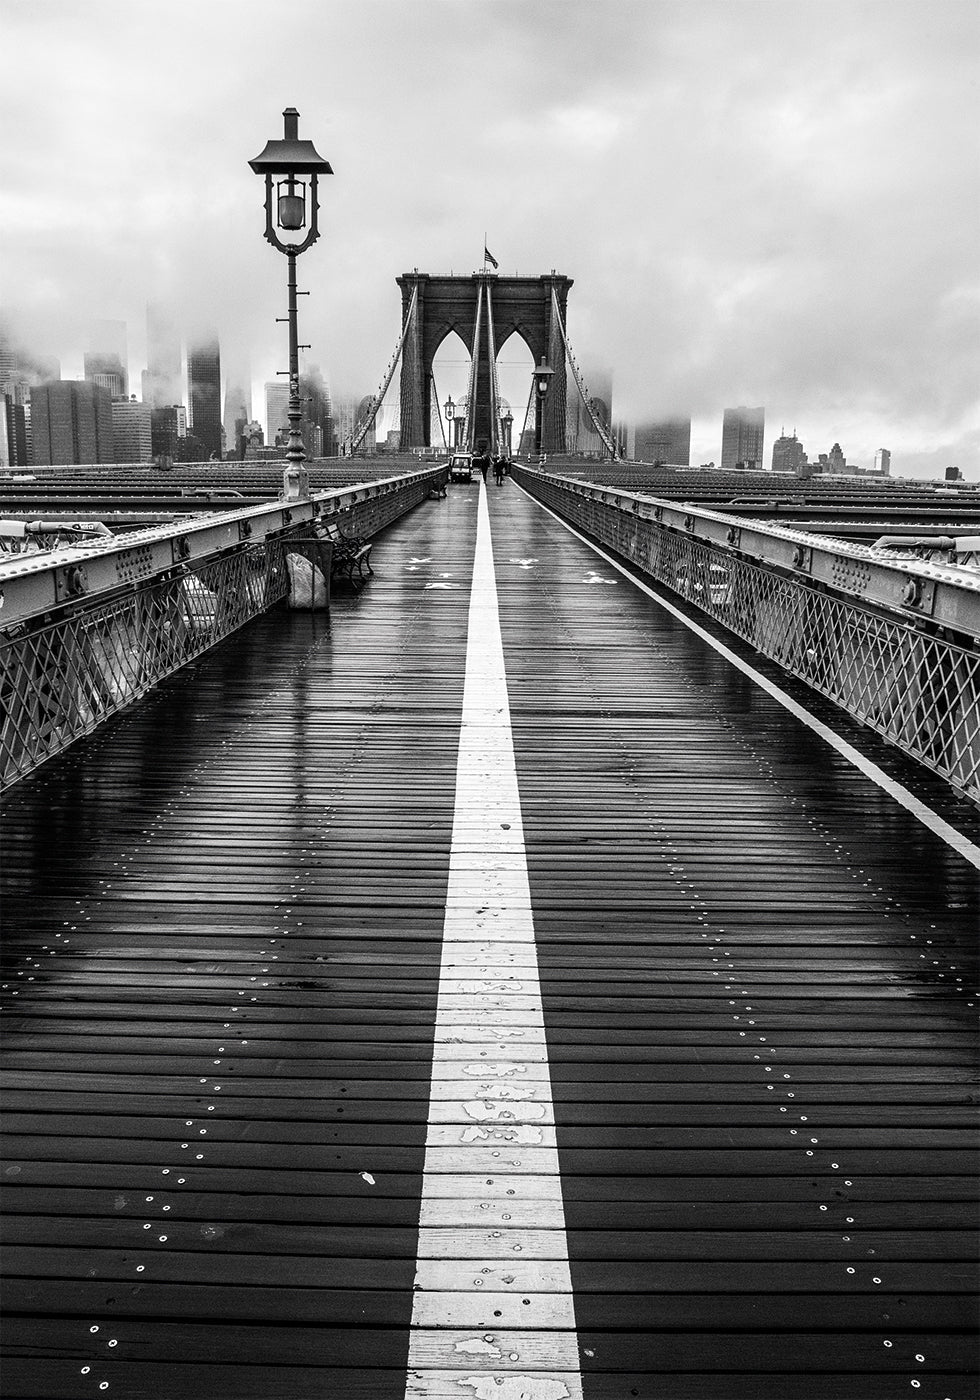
point(445, 304)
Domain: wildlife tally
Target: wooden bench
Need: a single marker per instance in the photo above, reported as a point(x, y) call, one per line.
point(350, 553)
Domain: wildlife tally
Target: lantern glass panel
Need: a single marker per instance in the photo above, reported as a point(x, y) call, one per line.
point(292, 207)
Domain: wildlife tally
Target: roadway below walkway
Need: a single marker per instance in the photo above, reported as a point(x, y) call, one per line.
point(492, 993)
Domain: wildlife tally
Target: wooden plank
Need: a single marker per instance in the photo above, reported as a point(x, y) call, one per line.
point(262, 857)
point(748, 857)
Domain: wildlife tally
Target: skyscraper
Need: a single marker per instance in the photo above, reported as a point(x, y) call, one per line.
point(163, 383)
point(238, 407)
point(131, 430)
point(71, 422)
point(742, 435)
point(668, 440)
point(13, 414)
point(788, 455)
point(317, 426)
point(20, 370)
point(836, 461)
point(106, 363)
point(276, 409)
point(168, 429)
point(883, 461)
point(204, 386)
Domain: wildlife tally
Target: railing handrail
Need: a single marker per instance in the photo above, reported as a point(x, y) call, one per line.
point(31, 584)
point(947, 594)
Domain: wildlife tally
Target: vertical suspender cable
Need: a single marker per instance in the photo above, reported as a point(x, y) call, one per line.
point(435, 399)
point(468, 422)
point(494, 384)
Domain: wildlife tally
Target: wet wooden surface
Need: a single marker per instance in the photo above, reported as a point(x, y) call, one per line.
point(220, 1012)
point(758, 975)
point(222, 922)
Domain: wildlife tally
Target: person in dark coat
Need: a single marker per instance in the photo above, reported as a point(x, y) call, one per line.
point(483, 462)
point(499, 466)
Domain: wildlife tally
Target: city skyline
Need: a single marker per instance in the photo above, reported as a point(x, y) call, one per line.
point(666, 439)
point(758, 203)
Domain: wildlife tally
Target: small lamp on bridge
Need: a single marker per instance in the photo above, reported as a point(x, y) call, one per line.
point(450, 411)
point(542, 379)
point(507, 424)
point(290, 159)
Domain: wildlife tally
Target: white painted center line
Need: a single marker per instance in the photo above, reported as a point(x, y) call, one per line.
point(492, 1316)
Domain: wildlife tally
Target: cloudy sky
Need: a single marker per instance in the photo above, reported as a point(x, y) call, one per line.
point(761, 201)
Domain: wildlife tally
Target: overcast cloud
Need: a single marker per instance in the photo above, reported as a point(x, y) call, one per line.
point(760, 201)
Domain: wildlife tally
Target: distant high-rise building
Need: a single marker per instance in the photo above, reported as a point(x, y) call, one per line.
point(742, 435)
point(276, 410)
point(8, 361)
point(254, 440)
point(131, 430)
point(668, 441)
point(168, 428)
point(21, 369)
point(788, 455)
point(163, 382)
point(836, 461)
point(204, 388)
point(238, 409)
point(106, 363)
point(71, 422)
point(883, 462)
point(317, 425)
point(14, 427)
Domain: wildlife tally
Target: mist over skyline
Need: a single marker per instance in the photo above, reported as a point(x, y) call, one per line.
point(759, 202)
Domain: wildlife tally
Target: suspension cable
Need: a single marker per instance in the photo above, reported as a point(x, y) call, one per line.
point(360, 432)
point(604, 434)
point(494, 384)
point(471, 393)
point(435, 399)
point(527, 414)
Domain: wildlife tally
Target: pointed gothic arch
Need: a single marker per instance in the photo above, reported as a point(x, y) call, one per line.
point(523, 304)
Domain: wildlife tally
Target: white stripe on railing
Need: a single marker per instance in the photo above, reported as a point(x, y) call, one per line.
point(492, 1316)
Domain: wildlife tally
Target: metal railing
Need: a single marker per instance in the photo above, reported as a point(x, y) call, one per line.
point(892, 641)
point(86, 631)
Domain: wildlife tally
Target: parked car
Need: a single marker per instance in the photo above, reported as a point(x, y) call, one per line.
point(461, 467)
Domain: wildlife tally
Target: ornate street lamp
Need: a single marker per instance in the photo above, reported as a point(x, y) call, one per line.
point(283, 163)
point(542, 378)
point(450, 411)
point(507, 424)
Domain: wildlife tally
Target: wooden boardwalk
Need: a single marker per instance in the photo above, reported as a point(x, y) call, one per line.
point(224, 921)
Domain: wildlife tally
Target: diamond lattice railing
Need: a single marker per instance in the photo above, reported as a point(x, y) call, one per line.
point(57, 682)
point(918, 689)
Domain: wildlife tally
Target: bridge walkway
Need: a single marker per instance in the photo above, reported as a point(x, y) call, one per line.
point(495, 989)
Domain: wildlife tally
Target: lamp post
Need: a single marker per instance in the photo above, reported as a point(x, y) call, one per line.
point(542, 378)
point(282, 163)
point(450, 412)
point(507, 423)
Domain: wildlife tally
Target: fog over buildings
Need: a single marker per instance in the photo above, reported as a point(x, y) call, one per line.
point(760, 203)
